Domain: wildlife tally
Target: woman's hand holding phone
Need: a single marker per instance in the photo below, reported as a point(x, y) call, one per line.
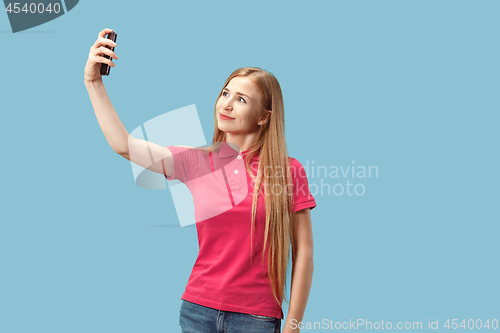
point(102, 46)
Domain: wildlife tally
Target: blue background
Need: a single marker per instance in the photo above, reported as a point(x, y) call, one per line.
point(408, 86)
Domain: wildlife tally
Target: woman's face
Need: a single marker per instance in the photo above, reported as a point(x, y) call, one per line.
point(241, 101)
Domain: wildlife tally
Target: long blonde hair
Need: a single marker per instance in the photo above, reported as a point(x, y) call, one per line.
point(270, 144)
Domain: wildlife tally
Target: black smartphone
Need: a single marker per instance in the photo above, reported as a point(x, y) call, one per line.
point(105, 67)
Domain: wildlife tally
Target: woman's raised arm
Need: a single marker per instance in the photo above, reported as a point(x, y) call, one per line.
point(146, 154)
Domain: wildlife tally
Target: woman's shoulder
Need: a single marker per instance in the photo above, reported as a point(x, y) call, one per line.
point(179, 147)
point(187, 152)
point(296, 168)
point(187, 148)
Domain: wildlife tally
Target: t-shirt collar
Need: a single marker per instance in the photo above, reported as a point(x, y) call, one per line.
point(227, 151)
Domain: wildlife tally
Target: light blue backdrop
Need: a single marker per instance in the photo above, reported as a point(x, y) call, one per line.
point(410, 87)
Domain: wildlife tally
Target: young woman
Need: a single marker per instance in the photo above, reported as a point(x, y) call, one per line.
point(239, 278)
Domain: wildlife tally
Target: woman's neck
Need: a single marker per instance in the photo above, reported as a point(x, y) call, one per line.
point(243, 141)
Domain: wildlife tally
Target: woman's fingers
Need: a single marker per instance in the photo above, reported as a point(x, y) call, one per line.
point(103, 60)
point(103, 42)
point(104, 33)
point(104, 50)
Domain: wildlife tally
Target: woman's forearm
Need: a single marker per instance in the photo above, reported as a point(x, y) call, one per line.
point(302, 272)
point(108, 119)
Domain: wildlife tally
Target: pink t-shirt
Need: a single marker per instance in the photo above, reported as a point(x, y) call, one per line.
point(222, 277)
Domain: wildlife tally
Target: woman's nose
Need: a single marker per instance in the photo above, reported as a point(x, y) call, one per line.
point(228, 104)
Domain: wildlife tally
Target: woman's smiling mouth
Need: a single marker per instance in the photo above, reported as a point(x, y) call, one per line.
point(225, 117)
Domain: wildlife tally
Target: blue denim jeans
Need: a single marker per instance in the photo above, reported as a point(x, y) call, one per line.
point(195, 318)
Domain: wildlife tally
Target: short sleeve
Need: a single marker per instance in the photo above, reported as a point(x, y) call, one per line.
point(302, 196)
point(185, 159)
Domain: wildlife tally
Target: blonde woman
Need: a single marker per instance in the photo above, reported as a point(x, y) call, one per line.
point(238, 281)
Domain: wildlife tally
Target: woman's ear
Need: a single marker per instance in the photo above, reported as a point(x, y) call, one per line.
point(265, 118)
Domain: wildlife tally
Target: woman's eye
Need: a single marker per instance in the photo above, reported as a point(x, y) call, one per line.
point(225, 92)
